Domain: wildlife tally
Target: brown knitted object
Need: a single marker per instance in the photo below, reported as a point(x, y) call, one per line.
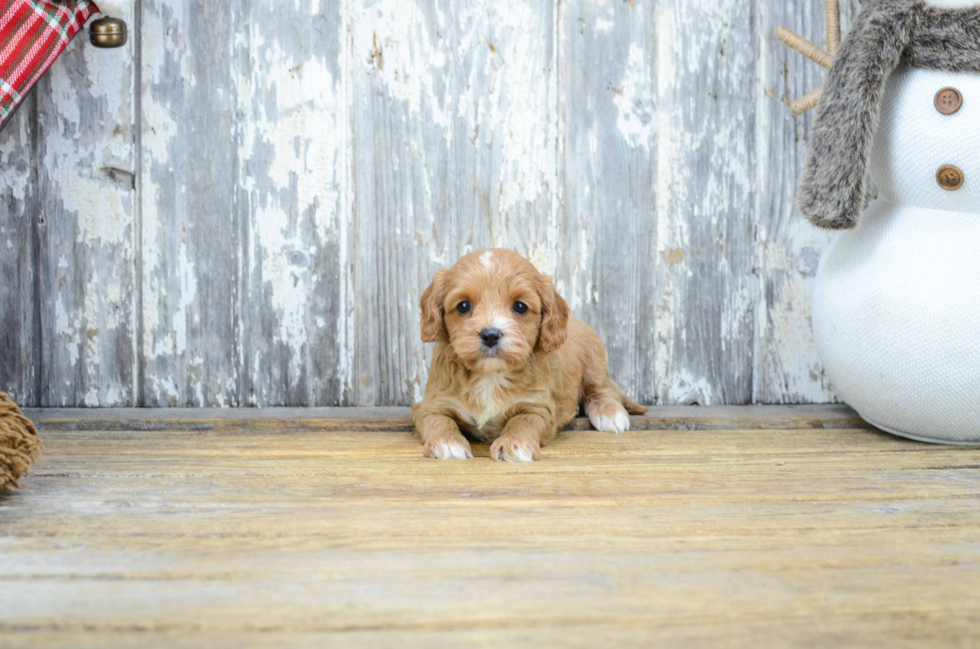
point(19, 443)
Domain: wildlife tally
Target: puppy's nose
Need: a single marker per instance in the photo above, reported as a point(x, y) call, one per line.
point(491, 337)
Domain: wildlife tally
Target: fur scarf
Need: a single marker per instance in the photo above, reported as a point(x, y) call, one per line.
point(884, 34)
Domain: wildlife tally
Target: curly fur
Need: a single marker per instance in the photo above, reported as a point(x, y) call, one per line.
point(884, 34)
point(518, 393)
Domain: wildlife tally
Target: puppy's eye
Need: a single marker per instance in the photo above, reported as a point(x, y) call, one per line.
point(520, 308)
point(463, 308)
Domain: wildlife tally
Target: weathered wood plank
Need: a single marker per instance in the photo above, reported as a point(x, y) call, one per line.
point(192, 202)
point(87, 195)
point(789, 537)
point(306, 169)
point(901, 631)
point(608, 164)
point(401, 62)
point(19, 340)
point(505, 125)
point(296, 137)
point(705, 309)
point(788, 368)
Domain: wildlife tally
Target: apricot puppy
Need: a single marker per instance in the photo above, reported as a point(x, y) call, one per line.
point(510, 366)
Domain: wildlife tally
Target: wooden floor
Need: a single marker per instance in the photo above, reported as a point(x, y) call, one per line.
point(752, 527)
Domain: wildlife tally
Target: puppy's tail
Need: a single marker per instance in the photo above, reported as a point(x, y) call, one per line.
point(631, 406)
point(610, 394)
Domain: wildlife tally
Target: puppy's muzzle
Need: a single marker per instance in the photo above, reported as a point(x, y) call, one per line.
point(491, 337)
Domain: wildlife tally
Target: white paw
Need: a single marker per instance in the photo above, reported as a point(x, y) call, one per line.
point(509, 449)
point(449, 450)
point(520, 455)
point(605, 421)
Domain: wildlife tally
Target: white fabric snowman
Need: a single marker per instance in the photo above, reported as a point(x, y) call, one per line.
point(896, 308)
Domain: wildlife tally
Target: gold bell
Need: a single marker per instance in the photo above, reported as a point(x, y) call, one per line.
point(108, 32)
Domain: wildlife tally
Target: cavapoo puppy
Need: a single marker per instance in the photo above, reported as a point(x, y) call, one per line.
point(511, 366)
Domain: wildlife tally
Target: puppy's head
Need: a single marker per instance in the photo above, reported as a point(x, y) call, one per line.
point(495, 310)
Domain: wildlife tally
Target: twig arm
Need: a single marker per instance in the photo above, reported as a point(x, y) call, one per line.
point(804, 47)
point(805, 103)
point(833, 26)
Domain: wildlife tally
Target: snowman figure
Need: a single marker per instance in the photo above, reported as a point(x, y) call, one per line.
point(896, 306)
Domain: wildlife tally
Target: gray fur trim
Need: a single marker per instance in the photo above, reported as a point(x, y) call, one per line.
point(884, 33)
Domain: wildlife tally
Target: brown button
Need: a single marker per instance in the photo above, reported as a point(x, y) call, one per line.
point(950, 178)
point(948, 101)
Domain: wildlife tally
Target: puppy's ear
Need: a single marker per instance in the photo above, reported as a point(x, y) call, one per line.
point(554, 317)
point(431, 305)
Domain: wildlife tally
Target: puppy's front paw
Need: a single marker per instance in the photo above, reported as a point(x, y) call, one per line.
point(609, 417)
point(447, 447)
point(514, 449)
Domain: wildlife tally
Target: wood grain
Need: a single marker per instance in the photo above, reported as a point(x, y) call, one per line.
point(295, 128)
point(609, 159)
point(87, 226)
point(506, 129)
point(705, 310)
point(286, 179)
point(402, 104)
point(245, 537)
point(788, 368)
point(192, 203)
point(19, 324)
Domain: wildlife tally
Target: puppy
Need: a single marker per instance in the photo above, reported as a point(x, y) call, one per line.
point(511, 366)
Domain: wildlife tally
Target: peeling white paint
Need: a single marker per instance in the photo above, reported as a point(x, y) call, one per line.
point(632, 98)
point(64, 324)
point(346, 326)
point(297, 154)
point(471, 110)
point(185, 286)
point(685, 388)
point(671, 234)
point(85, 116)
point(507, 104)
point(390, 40)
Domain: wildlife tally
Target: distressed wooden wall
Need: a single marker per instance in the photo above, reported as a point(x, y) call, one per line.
point(242, 206)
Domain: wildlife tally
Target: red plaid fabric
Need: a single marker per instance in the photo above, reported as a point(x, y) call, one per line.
point(33, 33)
